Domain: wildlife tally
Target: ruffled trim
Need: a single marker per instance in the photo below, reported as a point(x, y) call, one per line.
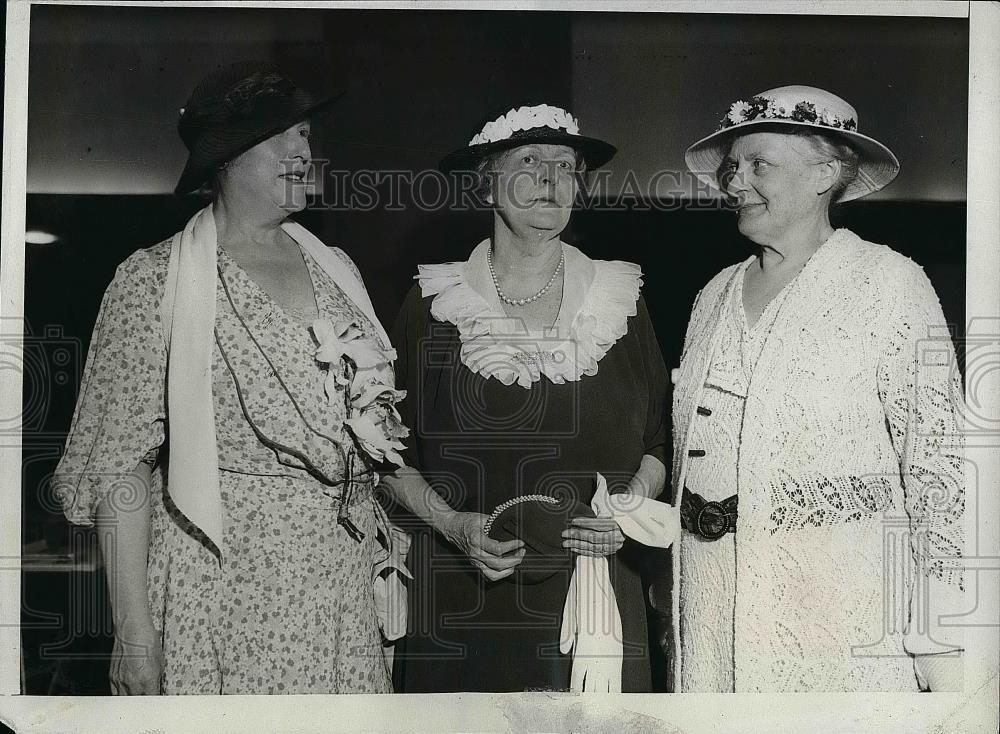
point(497, 345)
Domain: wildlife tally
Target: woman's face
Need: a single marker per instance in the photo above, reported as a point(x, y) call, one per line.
point(535, 187)
point(273, 172)
point(776, 183)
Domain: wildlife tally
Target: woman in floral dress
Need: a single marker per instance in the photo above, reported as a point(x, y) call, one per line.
point(236, 397)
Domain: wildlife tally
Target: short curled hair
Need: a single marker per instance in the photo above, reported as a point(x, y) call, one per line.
point(831, 148)
point(485, 173)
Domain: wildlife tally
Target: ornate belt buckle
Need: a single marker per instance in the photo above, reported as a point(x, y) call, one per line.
point(712, 521)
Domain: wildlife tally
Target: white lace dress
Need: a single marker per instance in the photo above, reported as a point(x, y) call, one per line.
point(850, 474)
point(708, 584)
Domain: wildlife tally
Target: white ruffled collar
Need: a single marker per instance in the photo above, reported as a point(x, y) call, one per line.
point(599, 296)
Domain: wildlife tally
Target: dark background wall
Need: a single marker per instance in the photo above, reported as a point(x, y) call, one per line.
point(657, 84)
point(106, 83)
point(105, 86)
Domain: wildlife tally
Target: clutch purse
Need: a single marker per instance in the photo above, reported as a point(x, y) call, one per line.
point(538, 520)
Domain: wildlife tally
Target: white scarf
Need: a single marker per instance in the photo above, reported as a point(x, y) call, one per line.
point(188, 314)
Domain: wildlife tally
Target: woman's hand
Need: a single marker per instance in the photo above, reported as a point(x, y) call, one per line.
point(495, 559)
point(136, 661)
point(122, 520)
point(593, 536)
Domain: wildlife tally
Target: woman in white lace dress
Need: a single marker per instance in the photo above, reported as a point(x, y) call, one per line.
point(817, 451)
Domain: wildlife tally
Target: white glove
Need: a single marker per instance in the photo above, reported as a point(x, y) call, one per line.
point(592, 629)
point(939, 672)
point(591, 624)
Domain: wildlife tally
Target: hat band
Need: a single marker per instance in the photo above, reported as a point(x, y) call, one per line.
point(245, 97)
point(524, 119)
point(763, 108)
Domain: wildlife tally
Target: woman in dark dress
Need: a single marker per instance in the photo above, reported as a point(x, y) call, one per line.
point(529, 369)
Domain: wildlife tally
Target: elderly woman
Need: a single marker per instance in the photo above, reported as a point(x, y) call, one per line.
point(215, 446)
point(530, 370)
point(816, 438)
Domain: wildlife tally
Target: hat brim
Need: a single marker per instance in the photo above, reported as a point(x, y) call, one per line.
point(595, 152)
point(877, 166)
point(218, 147)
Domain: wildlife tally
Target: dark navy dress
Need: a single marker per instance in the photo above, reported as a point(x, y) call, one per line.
point(479, 442)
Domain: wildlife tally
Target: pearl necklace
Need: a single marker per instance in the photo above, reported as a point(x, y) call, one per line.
point(530, 299)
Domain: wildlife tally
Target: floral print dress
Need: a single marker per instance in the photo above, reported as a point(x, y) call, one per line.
point(290, 607)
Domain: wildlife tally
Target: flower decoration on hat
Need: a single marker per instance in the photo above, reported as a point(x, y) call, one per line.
point(765, 108)
point(803, 107)
point(524, 125)
point(739, 112)
point(526, 118)
point(804, 112)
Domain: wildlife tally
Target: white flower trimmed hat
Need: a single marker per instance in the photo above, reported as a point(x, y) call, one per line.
point(524, 125)
point(804, 107)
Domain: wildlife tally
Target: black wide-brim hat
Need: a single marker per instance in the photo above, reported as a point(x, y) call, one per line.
point(543, 124)
point(233, 109)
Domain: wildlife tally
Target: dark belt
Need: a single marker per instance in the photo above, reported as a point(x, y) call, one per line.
point(711, 520)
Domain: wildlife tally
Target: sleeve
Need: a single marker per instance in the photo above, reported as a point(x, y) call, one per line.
point(921, 392)
point(407, 330)
point(655, 435)
point(119, 417)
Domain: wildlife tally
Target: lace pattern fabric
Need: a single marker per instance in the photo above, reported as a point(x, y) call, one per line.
point(708, 585)
point(849, 443)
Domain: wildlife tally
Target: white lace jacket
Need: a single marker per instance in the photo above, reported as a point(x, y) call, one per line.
point(850, 475)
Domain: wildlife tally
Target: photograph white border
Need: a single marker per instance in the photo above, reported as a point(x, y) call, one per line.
point(972, 710)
